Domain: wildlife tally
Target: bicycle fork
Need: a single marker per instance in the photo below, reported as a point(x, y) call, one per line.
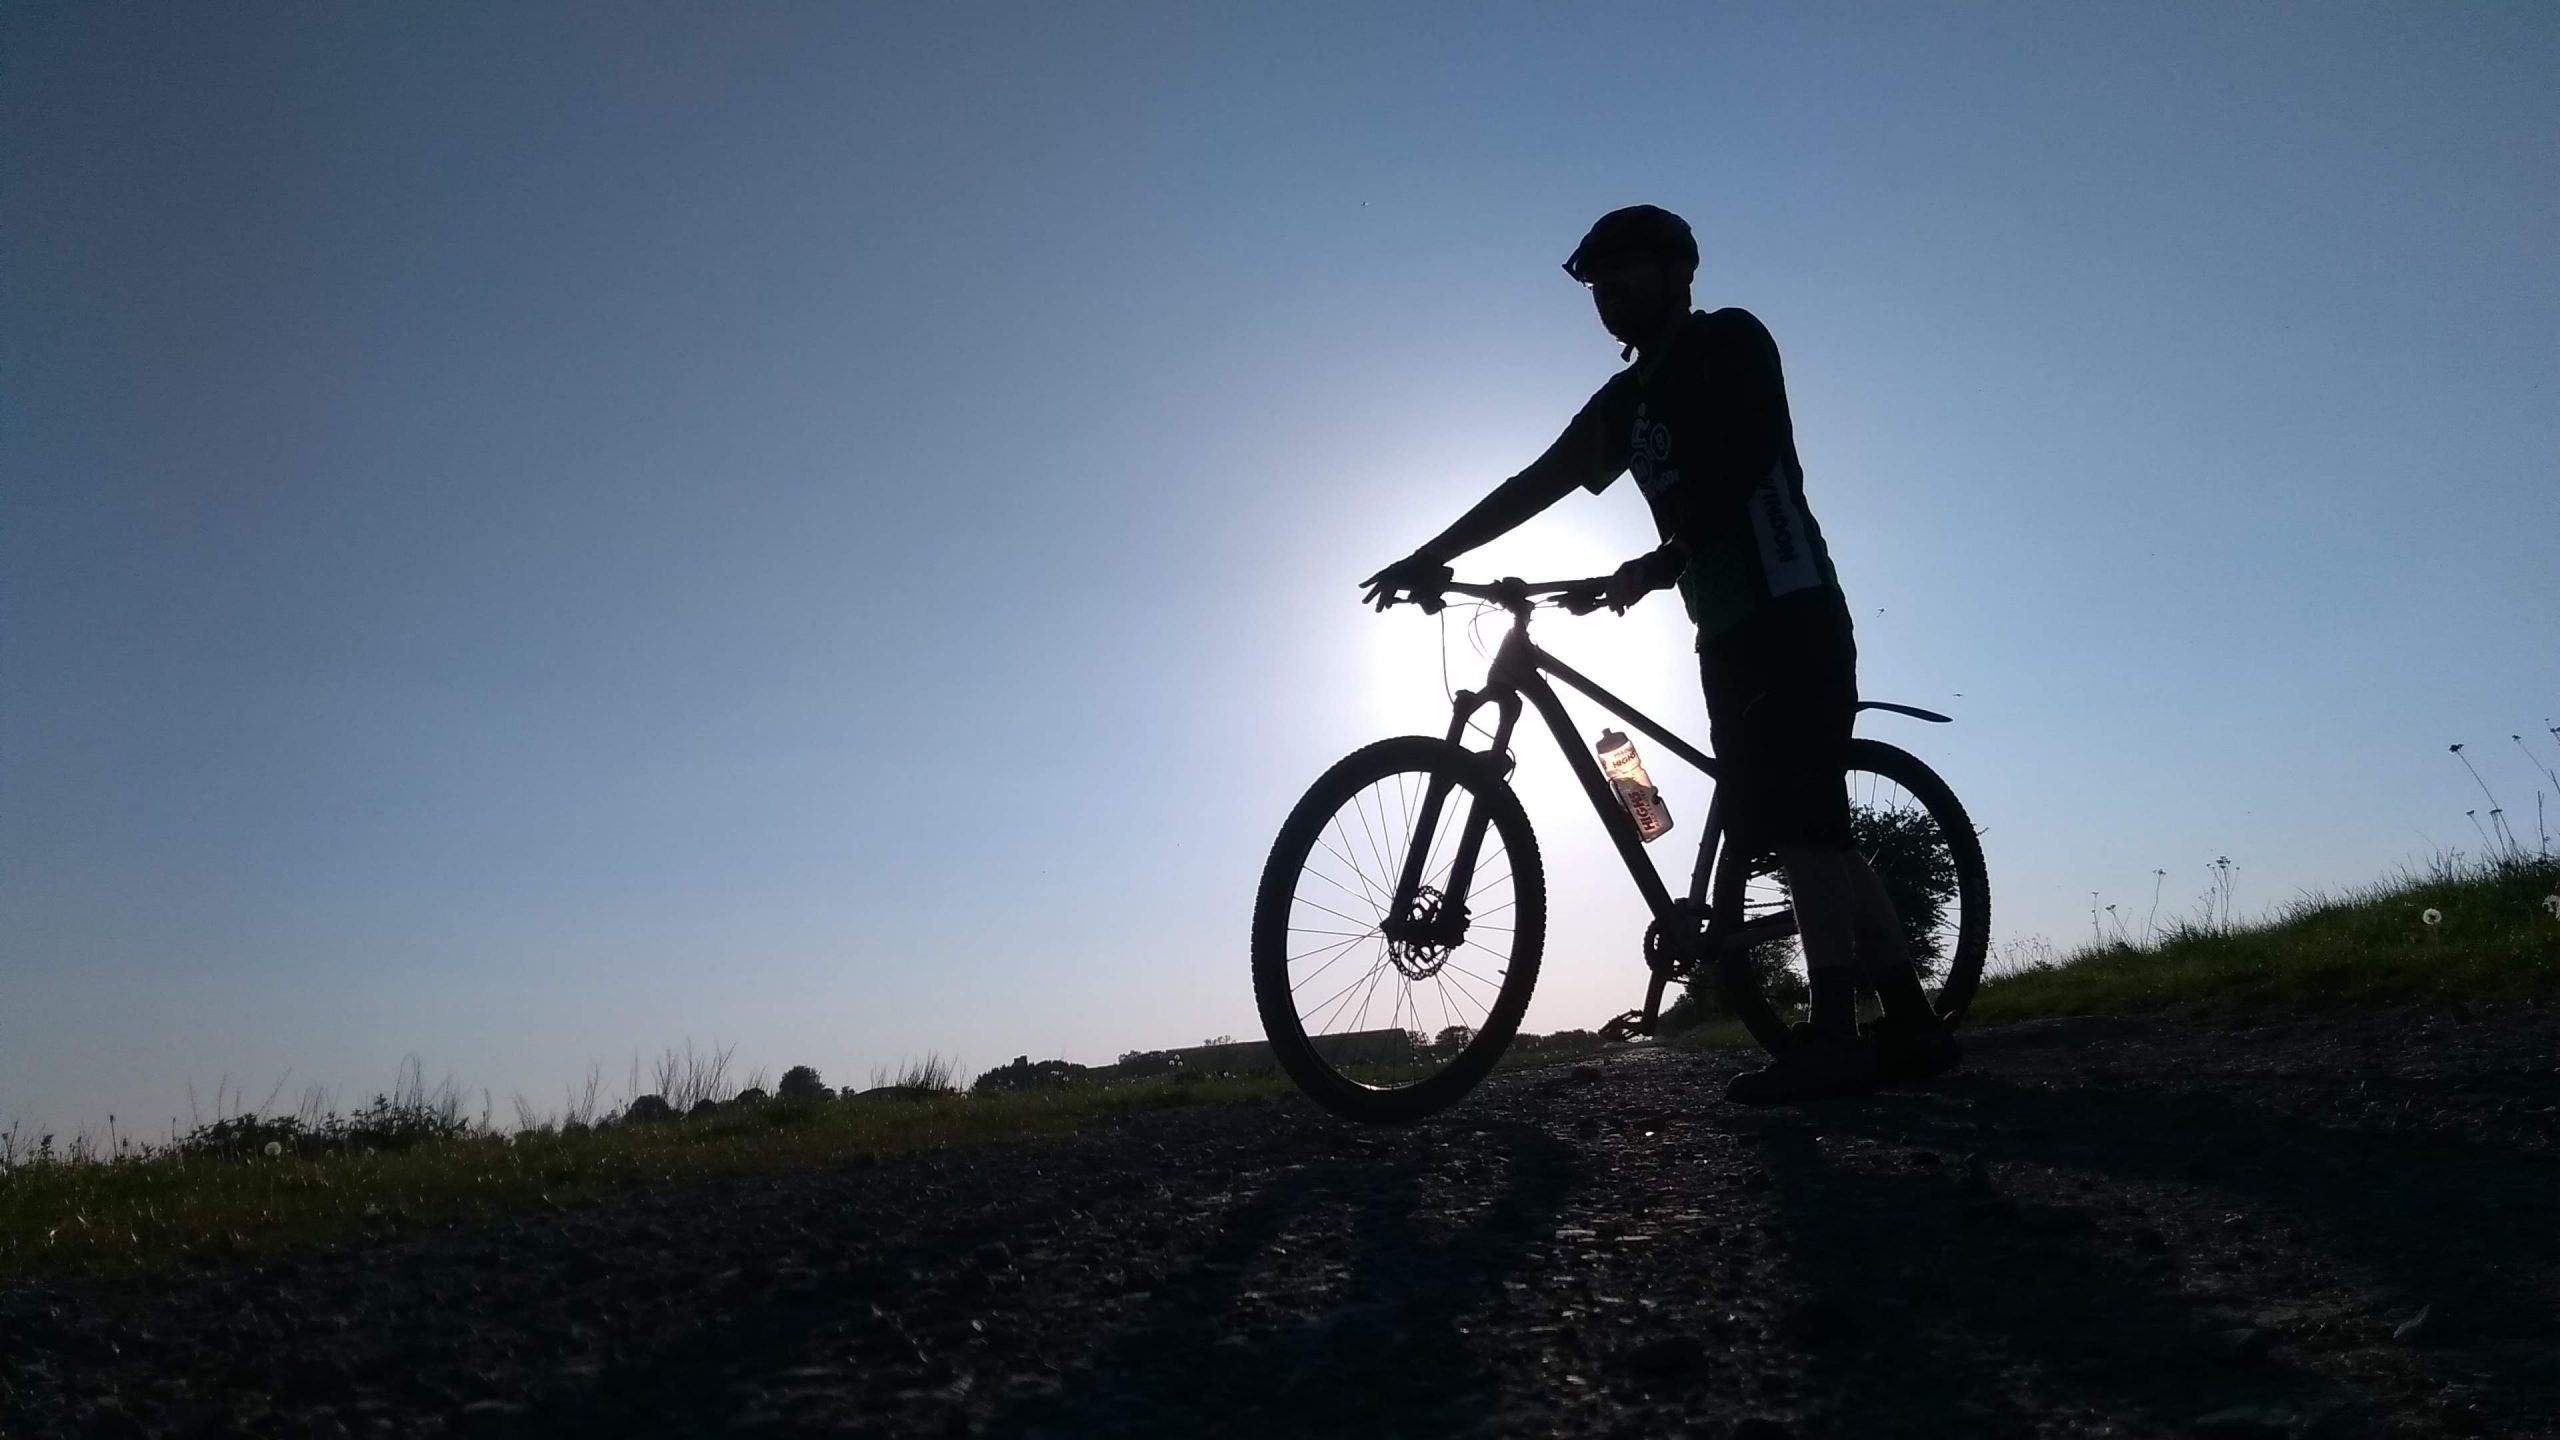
point(1418, 915)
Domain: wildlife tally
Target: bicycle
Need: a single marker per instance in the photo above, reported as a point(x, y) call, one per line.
point(1422, 921)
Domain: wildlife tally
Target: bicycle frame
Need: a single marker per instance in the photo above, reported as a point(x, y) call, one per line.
point(1521, 669)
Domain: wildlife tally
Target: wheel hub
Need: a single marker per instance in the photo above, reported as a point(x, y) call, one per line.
point(1430, 931)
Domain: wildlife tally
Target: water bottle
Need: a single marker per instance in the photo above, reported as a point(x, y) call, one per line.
point(1619, 761)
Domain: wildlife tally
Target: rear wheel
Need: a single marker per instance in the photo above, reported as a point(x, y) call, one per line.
point(1916, 835)
point(1383, 1016)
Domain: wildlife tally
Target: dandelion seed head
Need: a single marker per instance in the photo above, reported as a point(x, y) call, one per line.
point(274, 1148)
point(2432, 915)
point(2552, 904)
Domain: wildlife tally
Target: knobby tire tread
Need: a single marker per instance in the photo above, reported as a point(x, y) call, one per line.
point(1354, 773)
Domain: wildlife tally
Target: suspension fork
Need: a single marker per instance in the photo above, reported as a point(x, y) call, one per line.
point(1462, 865)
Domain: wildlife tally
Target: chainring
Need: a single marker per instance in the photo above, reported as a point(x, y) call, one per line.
point(1672, 951)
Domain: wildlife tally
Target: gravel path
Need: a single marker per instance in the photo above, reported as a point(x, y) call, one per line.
point(2124, 1228)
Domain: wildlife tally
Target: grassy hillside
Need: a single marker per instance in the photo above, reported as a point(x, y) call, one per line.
point(2495, 938)
point(181, 1200)
point(408, 1162)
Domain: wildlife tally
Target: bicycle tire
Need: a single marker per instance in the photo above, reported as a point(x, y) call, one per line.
point(1275, 899)
point(1738, 987)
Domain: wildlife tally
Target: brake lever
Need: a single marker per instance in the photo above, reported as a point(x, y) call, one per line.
point(1578, 602)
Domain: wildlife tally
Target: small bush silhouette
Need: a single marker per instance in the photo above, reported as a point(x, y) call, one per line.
point(801, 1082)
point(1025, 1074)
point(409, 1114)
point(648, 1110)
point(916, 1079)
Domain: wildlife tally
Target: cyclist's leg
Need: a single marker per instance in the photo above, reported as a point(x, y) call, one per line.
point(1883, 952)
point(1828, 922)
point(1781, 692)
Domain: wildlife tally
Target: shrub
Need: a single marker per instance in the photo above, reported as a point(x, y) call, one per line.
point(916, 1079)
point(801, 1082)
point(1024, 1074)
point(246, 1135)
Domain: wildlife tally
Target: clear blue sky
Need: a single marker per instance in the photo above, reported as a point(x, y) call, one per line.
point(535, 533)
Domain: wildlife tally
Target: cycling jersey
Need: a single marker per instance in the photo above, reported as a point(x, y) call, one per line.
point(1703, 425)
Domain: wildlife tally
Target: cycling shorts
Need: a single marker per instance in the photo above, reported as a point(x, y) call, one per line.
point(1782, 692)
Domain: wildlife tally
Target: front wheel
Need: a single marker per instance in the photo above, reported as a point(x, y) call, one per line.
point(1388, 1010)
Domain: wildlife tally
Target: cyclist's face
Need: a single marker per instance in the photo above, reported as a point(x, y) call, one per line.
point(1631, 293)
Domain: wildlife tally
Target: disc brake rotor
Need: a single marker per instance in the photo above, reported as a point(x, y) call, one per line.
point(1431, 931)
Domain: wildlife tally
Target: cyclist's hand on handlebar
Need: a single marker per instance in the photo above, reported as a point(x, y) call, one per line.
point(1632, 583)
point(1651, 571)
point(1419, 576)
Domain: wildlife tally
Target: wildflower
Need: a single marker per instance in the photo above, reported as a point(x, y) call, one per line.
point(2432, 915)
point(2552, 904)
point(274, 1148)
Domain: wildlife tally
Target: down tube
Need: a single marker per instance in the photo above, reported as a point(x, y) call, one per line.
point(1604, 799)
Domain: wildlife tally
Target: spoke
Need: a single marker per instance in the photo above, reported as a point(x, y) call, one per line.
point(1362, 811)
point(1354, 934)
point(1357, 873)
point(1403, 850)
point(1338, 945)
point(1462, 984)
point(1366, 895)
point(1332, 1001)
point(1393, 843)
point(1441, 830)
point(1441, 979)
point(1319, 970)
point(1359, 1018)
point(1451, 863)
point(1404, 805)
point(1336, 914)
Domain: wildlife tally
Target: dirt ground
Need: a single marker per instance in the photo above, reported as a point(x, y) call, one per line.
point(2331, 1228)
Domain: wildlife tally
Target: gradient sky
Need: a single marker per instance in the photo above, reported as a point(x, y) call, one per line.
point(532, 534)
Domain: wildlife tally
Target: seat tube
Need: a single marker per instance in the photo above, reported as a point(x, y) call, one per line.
point(1713, 833)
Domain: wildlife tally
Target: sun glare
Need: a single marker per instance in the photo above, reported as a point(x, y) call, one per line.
point(1644, 656)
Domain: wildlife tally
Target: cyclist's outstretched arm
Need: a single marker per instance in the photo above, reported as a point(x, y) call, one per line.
point(1512, 502)
point(1423, 572)
point(1581, 456)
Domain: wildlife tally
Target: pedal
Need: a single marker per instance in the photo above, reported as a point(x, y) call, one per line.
point(1625, 1027)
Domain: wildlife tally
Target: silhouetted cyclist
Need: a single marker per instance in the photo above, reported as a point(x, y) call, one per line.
point(1701, 420)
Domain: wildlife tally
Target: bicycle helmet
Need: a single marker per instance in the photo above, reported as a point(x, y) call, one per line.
point(1636, 230)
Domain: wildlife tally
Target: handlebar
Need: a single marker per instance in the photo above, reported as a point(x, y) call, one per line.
point(1519, 596)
